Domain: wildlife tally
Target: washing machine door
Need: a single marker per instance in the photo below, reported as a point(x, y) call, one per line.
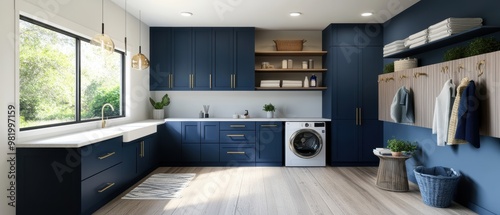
point(306, 143)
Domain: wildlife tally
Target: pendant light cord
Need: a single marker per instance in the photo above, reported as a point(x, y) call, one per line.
point(102, 15)
point(125, 27)
point(140, 31)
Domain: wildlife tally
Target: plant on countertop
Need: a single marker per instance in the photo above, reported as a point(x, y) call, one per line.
point(396, 145)
point(165, 101)
point(388, 68)
point(269, 108)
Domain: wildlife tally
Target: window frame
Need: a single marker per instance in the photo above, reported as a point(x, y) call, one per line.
point(78, 40)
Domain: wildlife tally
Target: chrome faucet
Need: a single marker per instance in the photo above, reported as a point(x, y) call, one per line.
point(103, 122)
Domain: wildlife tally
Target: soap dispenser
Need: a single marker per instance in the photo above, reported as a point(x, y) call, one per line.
point(313, 80)
point(306, 82)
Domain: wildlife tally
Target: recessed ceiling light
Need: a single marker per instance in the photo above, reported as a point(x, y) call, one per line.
point(367, 14)
point(186, 13)
point(295, 13)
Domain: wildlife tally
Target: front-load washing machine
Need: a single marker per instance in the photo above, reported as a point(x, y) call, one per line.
point(305, 144)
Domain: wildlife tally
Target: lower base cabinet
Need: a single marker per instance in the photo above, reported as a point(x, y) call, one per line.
point(236, 153)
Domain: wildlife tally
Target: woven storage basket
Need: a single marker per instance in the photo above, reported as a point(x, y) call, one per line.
point(406, 63)
point(289, 45)
point(437, 185)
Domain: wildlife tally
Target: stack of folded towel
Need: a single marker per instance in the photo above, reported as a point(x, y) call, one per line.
point(270, 83)
point(292, 83)
point(417, 39)
point(394, 47)
point(452, 26)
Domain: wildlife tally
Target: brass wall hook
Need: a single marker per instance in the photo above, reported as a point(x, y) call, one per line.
point(418, 74)
point(480, 71)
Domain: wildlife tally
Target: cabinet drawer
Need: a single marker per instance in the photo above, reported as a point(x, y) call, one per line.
point(99, 189)
point(231, 126)
point(237, 137)
point(237, 152)
point(100, 156)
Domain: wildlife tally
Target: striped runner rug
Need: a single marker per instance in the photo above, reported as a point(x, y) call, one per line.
point(161, 186)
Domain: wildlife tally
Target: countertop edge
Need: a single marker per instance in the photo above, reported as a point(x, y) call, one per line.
point(298, 119)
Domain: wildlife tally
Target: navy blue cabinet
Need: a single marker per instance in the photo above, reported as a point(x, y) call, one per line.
point(160, 58)
point(199, 141)
point(145, 154)
point(269, 145)
point(209, 145)
point(202, 58)
point(170, 143)
point(354, 61)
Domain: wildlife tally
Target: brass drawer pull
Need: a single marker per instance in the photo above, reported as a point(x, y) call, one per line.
point(237, 126)
point(269, 125)
point(239, 153)
point(106, 156)
point(107, 187)
point(235, 135)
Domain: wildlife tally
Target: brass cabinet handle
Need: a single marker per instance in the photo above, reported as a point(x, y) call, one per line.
point(357, 116)
point(107, 187)
point(273, 125)
point(240, 153)
point(359, 110)
point(231, 81)
point(237, 126)
point(234, 80)
point(169, 81)
point(235, 135)
point(210, 80)
point(106, 156)
point(142, 149)
point(172, 80)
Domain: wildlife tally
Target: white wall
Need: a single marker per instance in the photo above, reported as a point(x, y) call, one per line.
point(82, 18)
point(223, 104)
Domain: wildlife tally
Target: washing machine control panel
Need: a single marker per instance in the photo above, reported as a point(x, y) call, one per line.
point(313, 125)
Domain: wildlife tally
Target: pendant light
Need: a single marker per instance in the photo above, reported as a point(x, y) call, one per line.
point(139, 61)
point(102, 40)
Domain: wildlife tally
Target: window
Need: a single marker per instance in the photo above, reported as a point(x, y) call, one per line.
point(64, 79)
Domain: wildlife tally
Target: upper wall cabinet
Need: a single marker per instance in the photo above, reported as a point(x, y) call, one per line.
point(202, 58)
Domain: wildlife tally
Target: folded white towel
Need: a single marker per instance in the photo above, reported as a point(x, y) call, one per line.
point(292, 82)
point(416, 40)
point(418, 34)
point(270, 81)
point(398, 49)
point(439, 36)
point(454, 30)
point(463, 21)
point(396, 42)
point(392, 52)
point(418, 44)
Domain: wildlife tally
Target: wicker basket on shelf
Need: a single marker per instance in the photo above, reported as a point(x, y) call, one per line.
point(289, 45)
point(406, 63)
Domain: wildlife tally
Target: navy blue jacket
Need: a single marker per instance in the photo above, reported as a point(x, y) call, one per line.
point(468, 116)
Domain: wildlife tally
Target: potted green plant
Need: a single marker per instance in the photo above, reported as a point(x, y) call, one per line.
point(398, 147)
point(269, 108)
point(158, 112)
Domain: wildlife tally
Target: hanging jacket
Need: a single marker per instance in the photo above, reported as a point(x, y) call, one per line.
point(452, 129)
point(442, 111)
point(468, 116)
point(402, 106)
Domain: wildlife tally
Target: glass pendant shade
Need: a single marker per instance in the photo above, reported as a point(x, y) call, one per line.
point(102, 40)
point(140, 61)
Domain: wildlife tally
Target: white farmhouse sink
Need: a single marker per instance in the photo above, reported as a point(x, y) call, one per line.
point(133, 131)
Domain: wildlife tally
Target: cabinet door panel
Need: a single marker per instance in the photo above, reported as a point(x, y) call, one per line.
point(224, 58)
point(160, 58)
point(244, 58)
point(269, 142)
point(210, 152)
point(191, 153)
point(182, 59)
point(345, 141)
point(371, 138)
point(371, 65)
point(202, 67)
point(346, 83)
point(170, 142)
point(191, 132)
point(209, 132)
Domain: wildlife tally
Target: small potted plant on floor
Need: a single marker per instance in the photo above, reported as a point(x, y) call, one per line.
point(158, 112)
point(269, 108)
point(400, 147)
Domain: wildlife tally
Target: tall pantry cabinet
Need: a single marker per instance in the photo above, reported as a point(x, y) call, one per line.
point(354, 61)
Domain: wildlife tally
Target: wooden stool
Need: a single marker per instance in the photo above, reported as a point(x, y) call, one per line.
point(391, 173)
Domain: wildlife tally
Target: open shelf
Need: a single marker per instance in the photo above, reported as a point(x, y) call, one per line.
point(456, 38)
point(290, 88)
point(290, 53)
point(291, 70)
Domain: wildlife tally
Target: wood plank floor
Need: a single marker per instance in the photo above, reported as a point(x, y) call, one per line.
point(281, 190)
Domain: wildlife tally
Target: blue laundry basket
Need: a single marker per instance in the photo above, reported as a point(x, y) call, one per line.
point(437, 185)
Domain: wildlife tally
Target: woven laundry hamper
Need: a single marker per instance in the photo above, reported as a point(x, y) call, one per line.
point(406, 63)
point(437, 185)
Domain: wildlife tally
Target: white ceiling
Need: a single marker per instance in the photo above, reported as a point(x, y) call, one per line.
point(264, 14)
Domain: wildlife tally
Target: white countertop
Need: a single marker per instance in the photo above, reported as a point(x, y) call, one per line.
point(295, 119)
point(84, 138)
